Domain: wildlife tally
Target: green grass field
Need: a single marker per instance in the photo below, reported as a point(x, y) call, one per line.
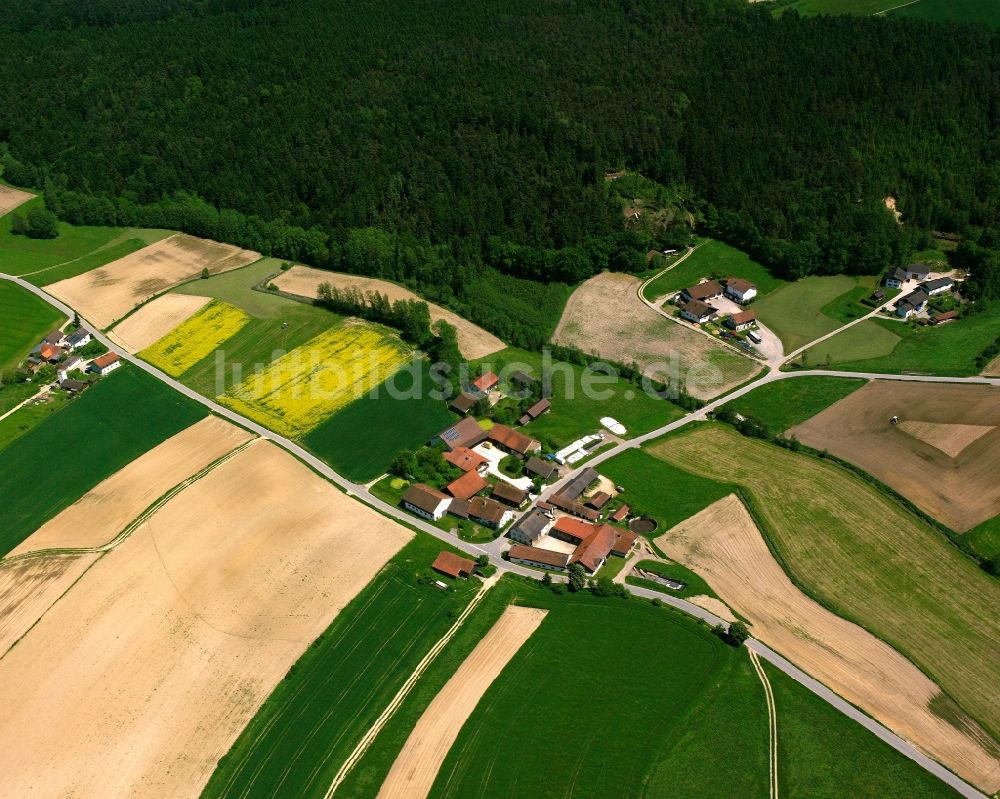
point(574, 413)
point(128, 242)
point(865, 558)
point(25, 319)
point(361, 440)
point(713, 259)
point(694, 585)
point(237, 288)
point(949, 349)
point(786, 403)
point(300, 736)
point(985, 538)
point(794, 312)
point(864, 341)
point(95, 435)
point(984, 11)
point(657, 489)
point(31, 415)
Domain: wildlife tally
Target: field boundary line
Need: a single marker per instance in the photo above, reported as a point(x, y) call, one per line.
point(139, 520)
point(390, 710)
point(772, 722)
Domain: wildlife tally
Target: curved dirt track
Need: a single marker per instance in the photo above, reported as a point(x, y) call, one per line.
point(415, 768)
point(723, 544)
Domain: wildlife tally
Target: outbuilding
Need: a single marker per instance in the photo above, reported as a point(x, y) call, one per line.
point(426, 501)
point(452, 565)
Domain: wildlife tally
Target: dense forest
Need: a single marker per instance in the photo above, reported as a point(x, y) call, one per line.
point(463, 147)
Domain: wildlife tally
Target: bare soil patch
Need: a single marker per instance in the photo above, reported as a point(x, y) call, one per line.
point(104, 511)
point(304, 281)
point(29, 587)
point(710, 603)
point(944, 455)
point(606, 317)
point(11, 198)
point(104, 295)
point(992, 368)
point(161, 654)
point(155, 319)
point(415, 768)
point(723, 545)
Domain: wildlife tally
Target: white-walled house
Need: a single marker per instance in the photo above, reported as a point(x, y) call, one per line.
point(426, 501)
point(740, 290)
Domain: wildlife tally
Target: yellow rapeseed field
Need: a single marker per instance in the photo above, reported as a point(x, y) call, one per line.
point(192, 340)
point(301, 389)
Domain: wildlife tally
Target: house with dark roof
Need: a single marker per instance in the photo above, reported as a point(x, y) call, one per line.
point(539, 467)
point(464, 433)
point(80, 338)
point(575, 487)
point(917, 272)
point(509, 495)
point(486, 383)
point(512, 441)
point(938, 286)
point(741, 321)
point(947, 316)
point(71, 364)
point(698, 312)
point(55, 338)
point(459, 508)
point(426, 501)
point(539, 558)
point(706, 290)
point(466, 486)
point(740, 290)
point(72, 386)
point(521, 379)
point(452, 565)
point(599, 500)
point(466, 459)
point(49, 352)
point(531, 526)
point(535, 411)
point(896, 278)
point(568, 505)
point(463, 403)
point(489, 512)
point(912, 303)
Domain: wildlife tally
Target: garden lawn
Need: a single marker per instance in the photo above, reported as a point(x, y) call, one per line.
point(786, 403)
point(794, 312)
point(111, 423)
point(331, 696)
point(658, 489)
point(361, 440)
point(874, 564)
point(823, 754)
point(713, 259)
point(694, 585)
point(949, 349)
point(24, 320)
point(574, 413)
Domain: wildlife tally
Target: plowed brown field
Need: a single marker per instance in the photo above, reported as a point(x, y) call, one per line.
point(944, 455)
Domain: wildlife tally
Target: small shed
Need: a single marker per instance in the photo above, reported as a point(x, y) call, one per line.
point(451, 565)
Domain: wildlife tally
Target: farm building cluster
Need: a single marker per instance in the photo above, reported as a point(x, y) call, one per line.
point(930, 295)
point(69, 353)
point(695, 305)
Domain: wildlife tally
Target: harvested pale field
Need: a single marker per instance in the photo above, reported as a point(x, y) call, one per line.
point(865, 558)
point(106, 294)
point(944, 455)
point(993, 368)
point(29, 587)
point(416, 766)
point(724, 546)
point(713, 605)
point(140, 679)
point(606, 317)
point(155, 319)
point(106, 510)
point(11, 198)
point(473, 341)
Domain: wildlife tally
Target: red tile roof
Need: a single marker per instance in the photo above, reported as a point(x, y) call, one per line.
point(624, 539)
point(710, 288)
point(599, 500)
point(464, 433)
point(486, 382)
point(106, 360)
point(511, 439)
point(743, 317)
point(452, 565)
point(466, 486)
point(47, 351)
point(577, 528)
point(464, 458)
point(620, 514)
point(557, 560)
point(594, 549)
point(739, 284)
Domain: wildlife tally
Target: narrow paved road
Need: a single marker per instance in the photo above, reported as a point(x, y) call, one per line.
point(362, 493)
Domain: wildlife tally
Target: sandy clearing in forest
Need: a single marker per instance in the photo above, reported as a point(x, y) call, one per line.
point(606, 317)
point(104, 511)
point(106, 294)
point(155, 319)
point(940, 456)
point(416, 766)
point(304, 281)
point(144, 675)
point(723, 545)
point(29, 587)
point(11, 198)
